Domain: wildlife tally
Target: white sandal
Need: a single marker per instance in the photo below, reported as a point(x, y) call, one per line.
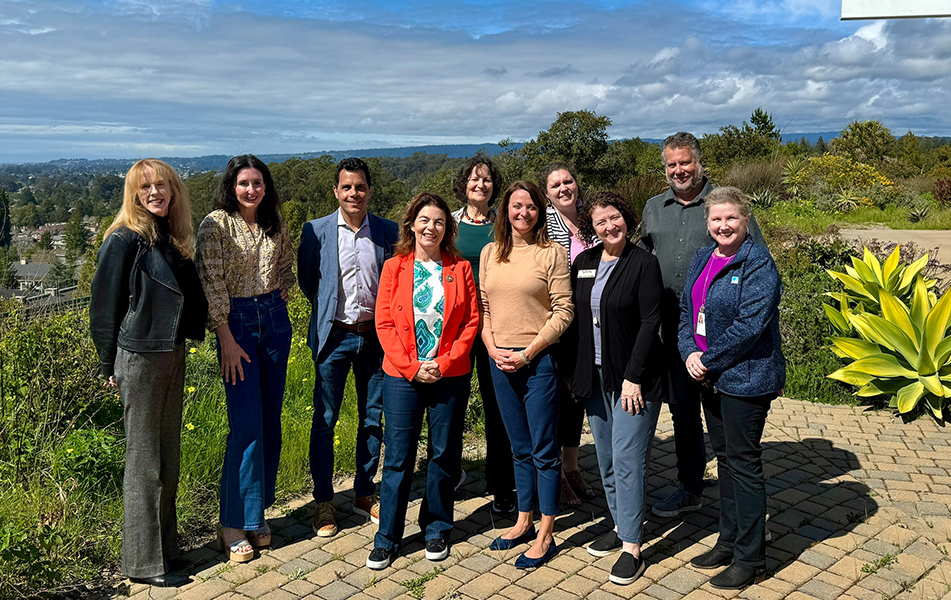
point(234, 549)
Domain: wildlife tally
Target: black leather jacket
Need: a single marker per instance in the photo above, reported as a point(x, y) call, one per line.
point(137, 303)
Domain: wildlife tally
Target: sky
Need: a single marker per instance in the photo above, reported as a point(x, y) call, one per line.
point(136, 78)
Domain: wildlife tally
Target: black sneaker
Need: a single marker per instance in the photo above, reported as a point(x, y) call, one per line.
point(627, 569)
point(609, 543)
point(679, 502)
point(436, 549)
point(503, 504)
point(380, 558)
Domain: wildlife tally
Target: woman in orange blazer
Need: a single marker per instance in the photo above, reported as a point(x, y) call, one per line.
point(427, 318)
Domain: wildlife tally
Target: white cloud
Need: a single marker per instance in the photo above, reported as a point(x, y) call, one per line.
point(239, 81)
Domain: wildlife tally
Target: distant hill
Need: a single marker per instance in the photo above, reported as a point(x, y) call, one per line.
point(217, 162)
point(812, 138)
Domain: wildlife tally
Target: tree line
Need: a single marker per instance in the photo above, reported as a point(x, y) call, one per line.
point(631, 167)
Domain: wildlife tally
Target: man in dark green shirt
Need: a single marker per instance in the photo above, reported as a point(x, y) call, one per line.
point(673, 228)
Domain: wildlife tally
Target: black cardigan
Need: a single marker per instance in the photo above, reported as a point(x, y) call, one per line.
point(630, 320)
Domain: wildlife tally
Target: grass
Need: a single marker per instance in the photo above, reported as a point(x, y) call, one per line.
point(813, 221)
point(417, 587)
point(885, 561)
point(62, 449)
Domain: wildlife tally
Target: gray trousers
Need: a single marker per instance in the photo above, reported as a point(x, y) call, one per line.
point(623, 442)
point(151, 387)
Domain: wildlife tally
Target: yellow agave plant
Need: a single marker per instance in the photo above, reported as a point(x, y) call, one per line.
point(905, 353)
point(866, 278)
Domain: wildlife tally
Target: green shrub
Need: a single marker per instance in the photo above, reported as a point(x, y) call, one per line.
point(758, 177)
point(866, 279)
point(942, 192)
point(801, 261)
point(904, 354)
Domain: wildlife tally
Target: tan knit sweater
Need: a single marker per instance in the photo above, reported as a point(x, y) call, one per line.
point(526, 296)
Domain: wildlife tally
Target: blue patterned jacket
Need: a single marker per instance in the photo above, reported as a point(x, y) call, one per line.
point(744, 357)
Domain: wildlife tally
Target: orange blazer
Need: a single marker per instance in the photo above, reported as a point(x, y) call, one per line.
point(395, 321)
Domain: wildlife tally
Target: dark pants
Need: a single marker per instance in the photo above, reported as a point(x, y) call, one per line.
point(570, 409)
point(528, 401)
point(151, 387)
point(499, 467)
point(261, 327)
point(404, 402)
point(736, 427)
point(684, 404)
point(361, 351)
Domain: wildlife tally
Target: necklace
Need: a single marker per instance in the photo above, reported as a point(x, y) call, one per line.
point(483, 221)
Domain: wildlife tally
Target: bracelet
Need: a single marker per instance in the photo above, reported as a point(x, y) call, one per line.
point(524, 357)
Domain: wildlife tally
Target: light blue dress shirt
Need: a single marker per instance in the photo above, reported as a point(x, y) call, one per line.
point(359, 274)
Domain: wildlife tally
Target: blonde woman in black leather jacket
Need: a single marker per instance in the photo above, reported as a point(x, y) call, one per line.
point(146, 299)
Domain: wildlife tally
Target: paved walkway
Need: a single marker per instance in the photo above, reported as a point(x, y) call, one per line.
point(859, 509)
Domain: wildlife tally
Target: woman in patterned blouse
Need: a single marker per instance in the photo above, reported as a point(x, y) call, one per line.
point(245, 258)
point(427, 318)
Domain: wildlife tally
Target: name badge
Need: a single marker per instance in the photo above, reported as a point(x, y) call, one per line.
point(587, 273)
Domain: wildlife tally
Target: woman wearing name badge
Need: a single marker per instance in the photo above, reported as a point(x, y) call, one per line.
point(563, 220)
point(617, 295)
point(478, 184)
point(146, 300)
point(245, 259)
point(526, 307)
point(729, 339)
point(427, 318)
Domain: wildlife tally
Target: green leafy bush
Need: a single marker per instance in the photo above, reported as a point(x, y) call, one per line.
point(801, 261)
point(905, 354)
point(942, 192)
point(896, 330)
point(866, 279)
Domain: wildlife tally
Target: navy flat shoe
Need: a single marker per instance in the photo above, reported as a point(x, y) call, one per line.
point(502, 544)
point(524, 562)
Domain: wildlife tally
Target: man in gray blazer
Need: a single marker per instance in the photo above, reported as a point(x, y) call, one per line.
point(338, 267)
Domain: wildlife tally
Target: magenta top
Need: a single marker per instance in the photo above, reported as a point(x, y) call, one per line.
point(698, 295)
point(577, 247)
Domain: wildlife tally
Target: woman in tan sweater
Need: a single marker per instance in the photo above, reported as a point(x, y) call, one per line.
point(526, 306)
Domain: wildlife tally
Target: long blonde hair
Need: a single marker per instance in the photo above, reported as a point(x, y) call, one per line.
point(134, 215)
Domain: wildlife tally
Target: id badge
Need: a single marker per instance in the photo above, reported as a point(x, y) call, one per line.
point(701, 324)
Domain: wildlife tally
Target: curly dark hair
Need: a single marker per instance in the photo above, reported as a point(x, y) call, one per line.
point(461, 181)
point(605, 200)
point(353, 165)
point(407, 243)
point(267, 216)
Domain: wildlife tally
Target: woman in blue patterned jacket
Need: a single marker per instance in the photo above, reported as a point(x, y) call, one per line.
point(729, 340)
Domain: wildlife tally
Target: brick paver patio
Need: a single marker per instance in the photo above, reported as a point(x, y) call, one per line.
point(859, 510)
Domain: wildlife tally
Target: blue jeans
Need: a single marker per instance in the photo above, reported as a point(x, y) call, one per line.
point(361, 351)
point(261, 327)
point(404, 403)
point(529, 401)
point(624, 443)
point(736, 427)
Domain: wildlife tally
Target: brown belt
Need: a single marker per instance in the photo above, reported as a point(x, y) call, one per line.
point(360, 327)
